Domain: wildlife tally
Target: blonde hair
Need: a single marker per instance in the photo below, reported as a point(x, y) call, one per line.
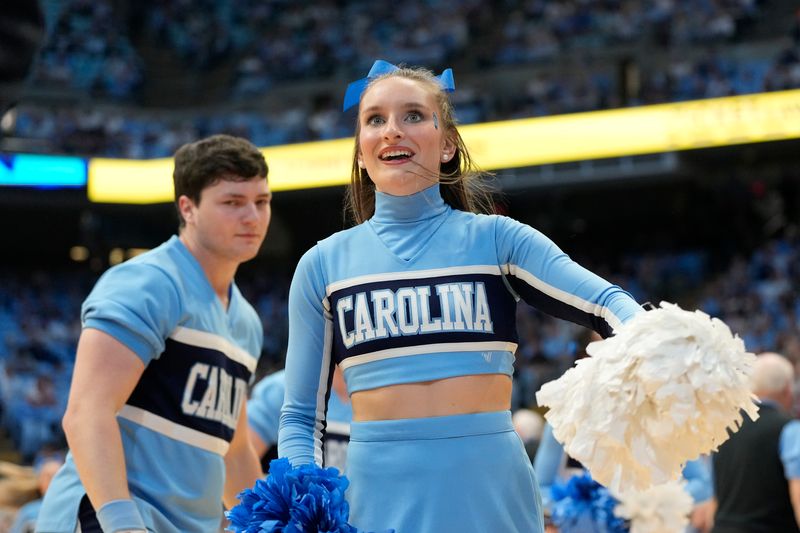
point(462, 183)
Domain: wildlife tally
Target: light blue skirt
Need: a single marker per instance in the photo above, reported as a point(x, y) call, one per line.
point(460, 474)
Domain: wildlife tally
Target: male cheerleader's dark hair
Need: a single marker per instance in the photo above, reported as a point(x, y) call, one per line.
point(220, 157)
point(462, 183)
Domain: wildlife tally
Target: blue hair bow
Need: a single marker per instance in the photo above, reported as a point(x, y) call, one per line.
point(354, 90)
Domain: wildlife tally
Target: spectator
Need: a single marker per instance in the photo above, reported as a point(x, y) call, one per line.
point(757, 470)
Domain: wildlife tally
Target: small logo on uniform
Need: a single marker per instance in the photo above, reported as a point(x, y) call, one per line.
point(487, 356)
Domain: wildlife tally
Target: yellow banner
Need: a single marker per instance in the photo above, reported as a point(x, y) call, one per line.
point(292, 166)
point(507, 144)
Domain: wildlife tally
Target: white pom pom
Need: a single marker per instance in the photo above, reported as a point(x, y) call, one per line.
point(663, 390)
point(660, 509)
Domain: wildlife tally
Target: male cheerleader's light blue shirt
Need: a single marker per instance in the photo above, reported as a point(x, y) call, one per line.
point(421, 292)
point(178, 422)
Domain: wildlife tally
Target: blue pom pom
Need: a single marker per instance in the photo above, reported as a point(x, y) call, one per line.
point(582, 505)
point(307, 499)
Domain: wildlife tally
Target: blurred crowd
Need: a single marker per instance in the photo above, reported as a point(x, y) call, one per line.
point(40, 321)
point(89, 44)
point(540, 58)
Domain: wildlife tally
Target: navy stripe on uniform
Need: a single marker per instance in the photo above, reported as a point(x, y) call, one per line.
point(87, 517)
point(195, 387)
point(392, 314)
point(555, 307)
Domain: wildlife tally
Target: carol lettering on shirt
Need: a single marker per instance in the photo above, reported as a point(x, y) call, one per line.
point(223, 396)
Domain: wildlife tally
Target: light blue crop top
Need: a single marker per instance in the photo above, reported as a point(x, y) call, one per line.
point(422, 292)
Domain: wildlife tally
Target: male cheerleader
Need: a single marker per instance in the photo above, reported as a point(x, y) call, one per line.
point(156, 419)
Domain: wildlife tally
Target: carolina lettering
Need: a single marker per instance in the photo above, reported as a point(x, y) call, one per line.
point(385, 313)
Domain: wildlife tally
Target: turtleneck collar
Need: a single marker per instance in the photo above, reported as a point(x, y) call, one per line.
point(422, 205)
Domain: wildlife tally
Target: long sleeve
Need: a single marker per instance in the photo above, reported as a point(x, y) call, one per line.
point(545, 277)
point(309, 366)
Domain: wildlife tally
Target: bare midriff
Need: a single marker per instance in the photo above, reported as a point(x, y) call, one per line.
point(451, 396)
